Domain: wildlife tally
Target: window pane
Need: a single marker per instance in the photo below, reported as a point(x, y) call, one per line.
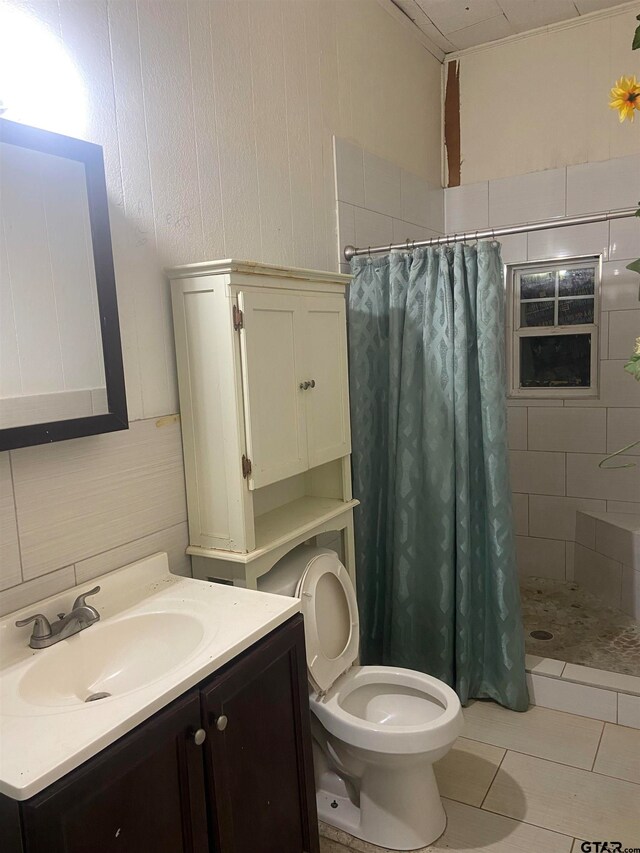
point(536, 284)
point(555, 361)
point(575, 311)
point(536, 313)
point(576, 282)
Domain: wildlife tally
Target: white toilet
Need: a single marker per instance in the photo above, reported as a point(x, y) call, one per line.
point(377, 730)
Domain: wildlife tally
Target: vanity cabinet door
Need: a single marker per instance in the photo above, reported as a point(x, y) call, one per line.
point(258, 760)
point(143, 794)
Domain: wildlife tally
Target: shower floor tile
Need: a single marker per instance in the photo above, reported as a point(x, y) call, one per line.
point(584, 631)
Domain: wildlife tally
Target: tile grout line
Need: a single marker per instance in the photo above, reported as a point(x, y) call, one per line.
point(595, 757)
point(551, 761)
point(493, 779)
point(568, 835)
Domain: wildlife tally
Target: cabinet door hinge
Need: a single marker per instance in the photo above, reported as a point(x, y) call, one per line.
point(246, 466)
point(238, 319)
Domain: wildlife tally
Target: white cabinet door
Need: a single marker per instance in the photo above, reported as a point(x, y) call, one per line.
point(274, 404)
point(325, 363)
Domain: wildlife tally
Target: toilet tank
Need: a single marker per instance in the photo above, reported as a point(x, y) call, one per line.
point(283, 578)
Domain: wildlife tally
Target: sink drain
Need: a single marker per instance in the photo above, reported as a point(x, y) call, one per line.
point(95, 696)
point(541, 635)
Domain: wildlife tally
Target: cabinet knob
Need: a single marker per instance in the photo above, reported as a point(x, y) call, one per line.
point(313, 383)
point(221, 723)
point(199, 737)
point(304, 385)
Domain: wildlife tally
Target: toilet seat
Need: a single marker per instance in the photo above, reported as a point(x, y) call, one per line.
point(384, 737)
point(330, 609)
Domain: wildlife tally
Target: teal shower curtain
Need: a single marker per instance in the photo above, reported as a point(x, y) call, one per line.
point(436, 571)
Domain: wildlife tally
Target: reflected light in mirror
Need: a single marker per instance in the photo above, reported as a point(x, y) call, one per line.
point(39, 84)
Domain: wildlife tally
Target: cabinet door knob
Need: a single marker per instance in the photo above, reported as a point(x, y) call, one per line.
point(221, 723)
point(304, 385)
point(313, 383)
point(199, 737)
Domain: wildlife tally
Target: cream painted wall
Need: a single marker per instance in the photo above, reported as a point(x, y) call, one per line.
point(541, 101)
point(216, 118)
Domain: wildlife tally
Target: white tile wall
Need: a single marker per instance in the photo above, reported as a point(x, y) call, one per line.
point(624, 328)
point(590, 239)
point(606, 185)
point(624, 239)
point(537, 471)
point(350, 171)
point(467, 207)
point(555, 440)
point(618, 537)
point(623, 429)
point(380, 203)
point(517, 428)
point(630, 593)
point(623, 506)
point(555, 517)
point(533, 553)
point(513, 248)
point(527, 198)
point(620, 286)
point(585, 479)
point(520, 504)
point(567, 429)
point(382, 188)
point(87, 506)
point(372, 229)
point(598, 574)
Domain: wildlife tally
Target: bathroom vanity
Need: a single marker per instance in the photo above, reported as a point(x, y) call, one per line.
point(224, 765)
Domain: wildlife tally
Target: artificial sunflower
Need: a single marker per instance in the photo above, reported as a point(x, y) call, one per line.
point(625, 97)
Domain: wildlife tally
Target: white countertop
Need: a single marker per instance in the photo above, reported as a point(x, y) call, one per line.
point(46, 729)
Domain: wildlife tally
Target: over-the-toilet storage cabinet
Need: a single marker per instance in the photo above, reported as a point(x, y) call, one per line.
point(264, 402)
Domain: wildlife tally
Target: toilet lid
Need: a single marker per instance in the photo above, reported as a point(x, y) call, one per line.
point(331, 625)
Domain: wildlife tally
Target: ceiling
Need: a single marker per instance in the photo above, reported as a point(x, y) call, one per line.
point(458, 24)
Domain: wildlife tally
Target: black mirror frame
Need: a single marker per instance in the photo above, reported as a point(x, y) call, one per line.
point(116, 418)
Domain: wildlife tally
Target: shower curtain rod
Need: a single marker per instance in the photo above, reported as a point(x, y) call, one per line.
point(542, 225)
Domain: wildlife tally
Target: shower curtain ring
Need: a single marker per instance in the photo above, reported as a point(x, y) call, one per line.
point(369, 251)
point(413, 245)
point(407, 243)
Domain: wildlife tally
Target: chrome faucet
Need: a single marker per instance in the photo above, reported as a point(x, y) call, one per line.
point(81, 616)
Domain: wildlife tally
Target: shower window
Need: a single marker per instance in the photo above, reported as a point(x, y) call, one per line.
point(553, 328)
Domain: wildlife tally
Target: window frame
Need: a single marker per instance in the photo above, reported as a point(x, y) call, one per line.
point(515, 331)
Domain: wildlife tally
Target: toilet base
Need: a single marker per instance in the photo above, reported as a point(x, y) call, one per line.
point(415, 822)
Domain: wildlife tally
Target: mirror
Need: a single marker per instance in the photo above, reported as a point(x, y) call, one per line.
point(61, 372)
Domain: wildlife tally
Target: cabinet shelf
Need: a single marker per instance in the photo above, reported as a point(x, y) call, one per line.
point(282, 525)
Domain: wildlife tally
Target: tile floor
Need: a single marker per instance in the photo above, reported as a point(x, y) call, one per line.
point(538, 782)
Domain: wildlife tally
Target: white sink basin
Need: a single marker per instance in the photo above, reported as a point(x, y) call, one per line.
point(111, 658)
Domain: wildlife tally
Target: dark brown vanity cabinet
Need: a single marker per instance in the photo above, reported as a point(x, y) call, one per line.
point(259, 770)
point(248, 786)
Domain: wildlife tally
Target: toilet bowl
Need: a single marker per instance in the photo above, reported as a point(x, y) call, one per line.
point(377, 730)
